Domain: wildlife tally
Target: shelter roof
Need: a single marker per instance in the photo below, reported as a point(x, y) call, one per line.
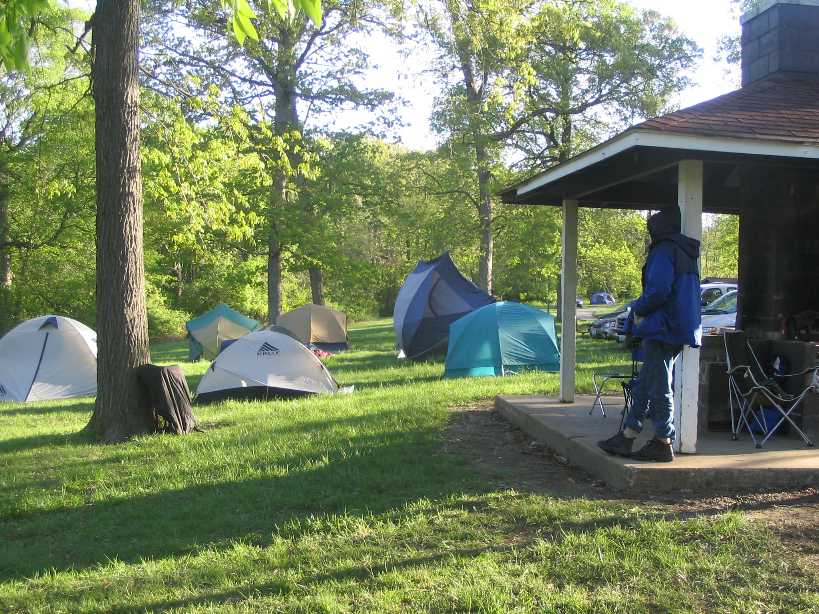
point(779, 108)
point(773, 121)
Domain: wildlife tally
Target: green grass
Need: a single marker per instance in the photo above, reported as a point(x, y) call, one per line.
point(348, 504)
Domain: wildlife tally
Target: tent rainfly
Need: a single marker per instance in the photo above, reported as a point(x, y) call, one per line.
point(264, 365)
point(601, 298)
point(433, 296)
point(501, 339)
point(317, 326)
point(50, 357)
point(207, 332)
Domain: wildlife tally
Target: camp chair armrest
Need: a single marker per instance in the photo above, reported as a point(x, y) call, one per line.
point(739, 368)
point(750, 374)
point(798, 373)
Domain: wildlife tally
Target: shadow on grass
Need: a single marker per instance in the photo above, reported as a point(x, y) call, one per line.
point(18, 444)
point(376, 478)
point(22, 409)
point(517, 535)
point(361, 573)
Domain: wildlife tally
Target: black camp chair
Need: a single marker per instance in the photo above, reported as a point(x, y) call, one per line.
point(626, 381)
point(751, 389)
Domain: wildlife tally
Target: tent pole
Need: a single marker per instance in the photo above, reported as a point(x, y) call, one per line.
point(568, 296)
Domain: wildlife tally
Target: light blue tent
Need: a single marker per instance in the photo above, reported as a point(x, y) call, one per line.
point(208, 332)
point(500, 339)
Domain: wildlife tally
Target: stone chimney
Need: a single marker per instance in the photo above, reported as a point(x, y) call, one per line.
point(780, 36)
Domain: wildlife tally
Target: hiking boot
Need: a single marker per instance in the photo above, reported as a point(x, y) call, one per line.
point(655, 450)
point(619, 445)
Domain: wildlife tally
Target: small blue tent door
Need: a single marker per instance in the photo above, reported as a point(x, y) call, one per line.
point(501, 339)
point(434, 295)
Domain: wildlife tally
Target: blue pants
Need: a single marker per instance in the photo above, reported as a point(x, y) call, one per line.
point(653, 389)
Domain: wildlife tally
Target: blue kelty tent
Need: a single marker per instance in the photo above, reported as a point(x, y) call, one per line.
point(433, 296)
point(601, 298)
point(500, 339)
point(207, 332)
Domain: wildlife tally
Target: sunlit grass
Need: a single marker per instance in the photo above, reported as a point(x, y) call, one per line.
point(347, 503)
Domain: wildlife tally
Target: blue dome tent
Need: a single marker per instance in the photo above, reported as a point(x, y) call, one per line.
point(500, 339)
point(208, 332)
point(433, 296)
point(601, 298)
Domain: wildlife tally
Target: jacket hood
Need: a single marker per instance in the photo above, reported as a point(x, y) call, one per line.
point(691, 247)
point(663, 224)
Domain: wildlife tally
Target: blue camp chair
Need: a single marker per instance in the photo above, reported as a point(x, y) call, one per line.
point(759, 404)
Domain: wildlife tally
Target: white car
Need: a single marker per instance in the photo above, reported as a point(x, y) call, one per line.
point(720, 315)
point(709, 292)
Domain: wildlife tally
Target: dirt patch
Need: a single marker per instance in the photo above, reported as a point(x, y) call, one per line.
point(511, 459)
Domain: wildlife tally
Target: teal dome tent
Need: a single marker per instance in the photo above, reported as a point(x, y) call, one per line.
point(500, 339)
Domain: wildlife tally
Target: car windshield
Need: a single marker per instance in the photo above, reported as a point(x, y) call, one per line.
point(724, 304)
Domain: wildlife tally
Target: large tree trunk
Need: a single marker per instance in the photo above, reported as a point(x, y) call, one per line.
point(7, 311)
point(563, 156)
point(274, 276)
point(316, 285)
point(485, 219)
point(469, 61)
point(286, 119)
point(5, 256)
point(122, 325)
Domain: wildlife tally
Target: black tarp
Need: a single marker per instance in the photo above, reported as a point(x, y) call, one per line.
point(170, 398)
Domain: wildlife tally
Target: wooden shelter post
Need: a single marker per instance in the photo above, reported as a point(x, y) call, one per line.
point(687, 369)
point(568, 298)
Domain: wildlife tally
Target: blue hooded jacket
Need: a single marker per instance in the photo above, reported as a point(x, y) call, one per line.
point(670, 302)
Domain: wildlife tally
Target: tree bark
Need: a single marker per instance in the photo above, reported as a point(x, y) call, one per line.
point(179, 273)
point(316, 285)
point(274, 276)
point(475, 91)
point(122, 324)
point(485, 219)
point(7, 310)
point(286, 119)
point(6, 276)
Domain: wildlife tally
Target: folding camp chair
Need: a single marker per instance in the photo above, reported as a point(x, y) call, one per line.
point(751, 390)
point(627, 382)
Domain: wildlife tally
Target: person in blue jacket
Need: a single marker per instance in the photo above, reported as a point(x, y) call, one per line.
point(666, 318)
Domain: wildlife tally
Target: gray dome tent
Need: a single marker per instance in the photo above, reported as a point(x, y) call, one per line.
point(433, 296)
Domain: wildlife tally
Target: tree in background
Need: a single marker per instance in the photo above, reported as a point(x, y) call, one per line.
point(729, 47)
point(720, 247)
point(545, 79)
point(46, 176)
point(18, 21)
point(295, 65)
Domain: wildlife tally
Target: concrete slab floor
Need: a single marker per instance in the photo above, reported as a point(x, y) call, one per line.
point(720, 464)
